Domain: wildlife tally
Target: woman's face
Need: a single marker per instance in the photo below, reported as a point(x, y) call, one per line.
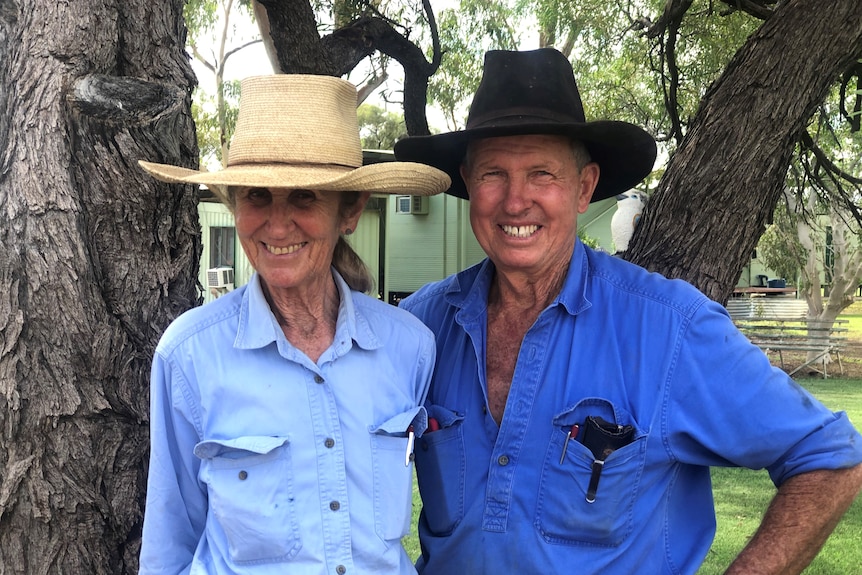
point(289, 234)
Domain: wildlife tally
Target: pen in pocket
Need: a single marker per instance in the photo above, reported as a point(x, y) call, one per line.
point(573, 434)
point(411, 437)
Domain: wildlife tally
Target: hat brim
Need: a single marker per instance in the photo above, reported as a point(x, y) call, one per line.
point(624, 152)
point(407, 178)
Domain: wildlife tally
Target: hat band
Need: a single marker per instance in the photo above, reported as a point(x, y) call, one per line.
point(330, 166)
point(521, 116)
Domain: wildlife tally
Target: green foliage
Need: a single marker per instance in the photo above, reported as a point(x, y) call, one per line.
point(213, 23)
point(379, 129)
point(779, 247)
point(201, 17)
point(588, 240)
point(205, 113)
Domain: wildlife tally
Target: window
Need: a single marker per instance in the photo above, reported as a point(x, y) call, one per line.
point(222, 242)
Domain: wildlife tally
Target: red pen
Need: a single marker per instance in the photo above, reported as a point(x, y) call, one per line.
point(433, 424)
point(573, 433)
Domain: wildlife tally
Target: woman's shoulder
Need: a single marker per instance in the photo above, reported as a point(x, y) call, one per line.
point(201, 318)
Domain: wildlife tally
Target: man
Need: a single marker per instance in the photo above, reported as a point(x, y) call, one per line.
point(578, 400)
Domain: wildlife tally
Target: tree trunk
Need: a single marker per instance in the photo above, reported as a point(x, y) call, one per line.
point(723, 183)
point(96, 259)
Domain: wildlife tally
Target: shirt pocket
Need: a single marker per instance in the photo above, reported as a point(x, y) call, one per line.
point(441, 465)
point(391, 458)
point(563, 515)
point(250, 485)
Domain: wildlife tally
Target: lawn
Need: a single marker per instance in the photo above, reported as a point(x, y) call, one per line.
point(742, 495)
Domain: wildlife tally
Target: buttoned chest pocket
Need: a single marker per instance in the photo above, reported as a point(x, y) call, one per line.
point(250, 486)
point(392, 464)
point(585, 499)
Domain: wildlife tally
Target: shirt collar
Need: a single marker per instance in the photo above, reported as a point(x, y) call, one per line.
point(469, 288)
point(258, 326)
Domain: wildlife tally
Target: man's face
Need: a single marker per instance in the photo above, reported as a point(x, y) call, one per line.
point(525, 196)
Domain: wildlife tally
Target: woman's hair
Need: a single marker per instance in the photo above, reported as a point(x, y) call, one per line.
point(344, 259)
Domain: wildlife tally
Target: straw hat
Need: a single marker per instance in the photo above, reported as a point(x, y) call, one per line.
point(301, 131)
point(535, 92)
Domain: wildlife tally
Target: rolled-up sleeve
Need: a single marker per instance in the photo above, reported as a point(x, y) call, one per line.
point(726, 405)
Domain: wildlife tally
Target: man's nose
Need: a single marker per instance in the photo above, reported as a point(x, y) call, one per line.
point(517, 195)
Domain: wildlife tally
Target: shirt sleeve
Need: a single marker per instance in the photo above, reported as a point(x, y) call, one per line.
point(726, 405)
point(176, 504)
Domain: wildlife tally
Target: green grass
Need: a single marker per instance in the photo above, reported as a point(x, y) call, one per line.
point(742, 495)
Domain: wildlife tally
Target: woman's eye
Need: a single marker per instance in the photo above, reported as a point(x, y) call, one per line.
point(258, 196)
point(302, 197)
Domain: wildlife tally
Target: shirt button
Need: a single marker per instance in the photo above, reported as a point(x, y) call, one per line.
point(318, 379)
point(503, 460)
point(329, 443)
point(334, 505)
point(341, 570)
point(243, 475)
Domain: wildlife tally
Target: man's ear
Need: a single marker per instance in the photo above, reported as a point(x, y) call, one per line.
point(587, 183)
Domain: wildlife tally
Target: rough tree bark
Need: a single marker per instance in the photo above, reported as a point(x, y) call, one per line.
point(96, 259)
point(723, 183)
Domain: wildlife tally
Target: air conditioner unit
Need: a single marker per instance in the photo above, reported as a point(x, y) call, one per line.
point(416, 205)
point(220, 278)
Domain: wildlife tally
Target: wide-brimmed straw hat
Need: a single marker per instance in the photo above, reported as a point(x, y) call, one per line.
point(301, 131)
point(535, 92)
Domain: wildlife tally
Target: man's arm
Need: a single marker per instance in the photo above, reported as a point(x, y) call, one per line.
point(799, 520)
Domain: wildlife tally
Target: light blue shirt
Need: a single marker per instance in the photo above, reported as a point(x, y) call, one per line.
point(265, 462)
point(636, 349)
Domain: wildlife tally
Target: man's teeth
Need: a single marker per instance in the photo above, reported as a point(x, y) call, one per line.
point(281, 251)
point(520, 231)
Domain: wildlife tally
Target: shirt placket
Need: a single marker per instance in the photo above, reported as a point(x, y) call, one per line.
point(331, 473)
point(515, 425)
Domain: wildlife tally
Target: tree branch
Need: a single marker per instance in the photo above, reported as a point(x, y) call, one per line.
point(761, 9)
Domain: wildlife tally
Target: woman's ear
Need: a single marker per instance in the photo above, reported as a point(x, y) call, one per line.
point(352, 212)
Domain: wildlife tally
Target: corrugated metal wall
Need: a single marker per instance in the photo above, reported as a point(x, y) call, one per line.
point(425, 248)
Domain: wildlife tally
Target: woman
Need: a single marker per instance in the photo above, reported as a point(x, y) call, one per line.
point(282, 414)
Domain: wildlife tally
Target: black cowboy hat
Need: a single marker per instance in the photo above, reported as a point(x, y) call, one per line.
point(535, 93)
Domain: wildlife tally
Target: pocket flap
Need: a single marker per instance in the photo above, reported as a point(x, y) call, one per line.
point(258, 444)
point(398, 424)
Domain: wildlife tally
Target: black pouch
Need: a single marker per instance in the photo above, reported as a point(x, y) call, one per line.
point(602, 438)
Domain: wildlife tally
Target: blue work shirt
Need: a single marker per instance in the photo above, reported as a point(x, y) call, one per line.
point(265, 462)
point(635, 349)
